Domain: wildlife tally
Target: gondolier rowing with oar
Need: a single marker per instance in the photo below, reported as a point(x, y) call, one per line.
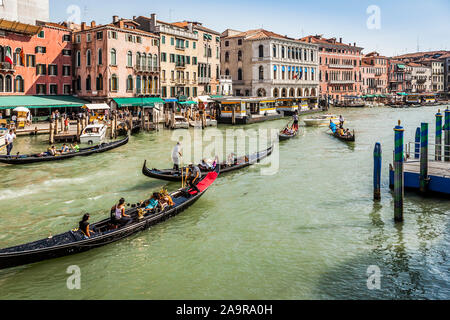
point(177, 153)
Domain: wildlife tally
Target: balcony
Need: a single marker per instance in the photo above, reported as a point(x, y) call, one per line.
point(342, 81)
point(341, 66)
point(176, 31)
point(6, 67)
point(204, 79)
point(180, 64)
point(179, 48)
point(143, 69)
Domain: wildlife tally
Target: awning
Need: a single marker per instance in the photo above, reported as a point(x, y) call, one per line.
point(204, 99)
point(138, 102)
point(18, 27)
point(34, 102)
point(402, 94)
point(171, 100)
point(187, 103)
point(97, 106)
point(216, 97)
point(401, 66)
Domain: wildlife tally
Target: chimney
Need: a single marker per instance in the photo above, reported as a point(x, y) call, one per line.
point(340, 40)
point(153, 22)
point(83, 26)
point(354, 44)
point(93, 24)
point(190, 26)
point(115, 19)
point(134, 17)
point(121, 24)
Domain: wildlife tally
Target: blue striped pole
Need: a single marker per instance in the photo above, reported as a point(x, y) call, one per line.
point(377, 172)
point(417, 145)
point(398, 173)
point(424, 158)
point(447, 135)
point(438, 156)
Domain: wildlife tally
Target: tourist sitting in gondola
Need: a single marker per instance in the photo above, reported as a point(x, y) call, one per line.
point(75, 147)
point(84, 226)
point(165, 200)
point(153, 204)
point(64, 149)
point(118, 215)
point(333, 126)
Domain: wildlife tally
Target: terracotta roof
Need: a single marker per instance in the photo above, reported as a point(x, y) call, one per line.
point(56, 25)
point(413, 64)
point(331, 41)
point(196, 25)
point(420, 54)
point(258, 34)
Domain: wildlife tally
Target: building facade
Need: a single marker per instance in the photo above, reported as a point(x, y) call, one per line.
point(116, 60)
point(379, 67)
point(420, 81)
point(340, 64)
point(265, 64)
point(25, 11)
point(437, 74)
point(398, 76)
point(447, 74)
point(35, 59)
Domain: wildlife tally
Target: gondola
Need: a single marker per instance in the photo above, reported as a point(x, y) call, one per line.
point(26, 159)
point(239, 163)
point(284, 136)
point(75, 241)
point(346, 138)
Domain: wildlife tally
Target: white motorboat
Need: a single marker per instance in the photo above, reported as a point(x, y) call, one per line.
point(210, 122)
point(93, 134)
point(180, 123)
point(322, 120)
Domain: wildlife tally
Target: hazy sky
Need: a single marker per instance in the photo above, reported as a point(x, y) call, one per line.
point(401, 27)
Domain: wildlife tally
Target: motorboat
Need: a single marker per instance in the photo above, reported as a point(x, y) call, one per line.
point(180, 123)
point(322, 120)
point(210, 122)
point(93, 133)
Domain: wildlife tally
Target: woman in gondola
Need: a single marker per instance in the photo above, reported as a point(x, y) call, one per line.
point(119, 215)
point(84, 226)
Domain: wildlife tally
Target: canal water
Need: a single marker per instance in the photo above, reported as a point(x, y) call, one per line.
point(309, 231)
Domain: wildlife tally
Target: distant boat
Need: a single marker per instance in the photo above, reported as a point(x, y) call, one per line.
point(322, 120)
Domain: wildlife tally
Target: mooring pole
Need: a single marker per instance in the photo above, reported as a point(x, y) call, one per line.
point(424, 158)
point(398, 173)
point(417, 144)
point(377, 172)
point(447, 135)
point(438, 149)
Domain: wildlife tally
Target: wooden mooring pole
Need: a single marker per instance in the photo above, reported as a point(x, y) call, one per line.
point(438, 150)
point(417, 144)
point(377, 156)
point(447, 135)
point(51, 138)
point(398, 173)
point(424, 158)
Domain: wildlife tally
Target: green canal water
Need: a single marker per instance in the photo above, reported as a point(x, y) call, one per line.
point(310, 231)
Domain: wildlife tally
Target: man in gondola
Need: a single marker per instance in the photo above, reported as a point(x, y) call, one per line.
point(295, 117)
point(177, 153)
point(194, 177)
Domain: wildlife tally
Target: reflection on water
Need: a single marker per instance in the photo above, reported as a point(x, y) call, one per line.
point(310, 231)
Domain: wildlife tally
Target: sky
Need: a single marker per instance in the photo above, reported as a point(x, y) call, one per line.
point(391, 27)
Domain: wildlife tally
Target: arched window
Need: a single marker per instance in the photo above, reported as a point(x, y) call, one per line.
point(88, 83)
point(88, 58)
point(129, 59)
point(275, 72)
point(130, 83)
point(99, 82)
point(239, 55)
point(261, 92)
point(113, 57)
point(227, 72)
point(261, 73)
point(2, 88)
point(292, 93)
point(299, 92)
point(138, 84)
point(276, 93)
point(19, 84)
point(239, 74)
point(100, 57)
point(144, 60)
point(261, 51)
point(8, 84)
point(155, 62)
point(283, 93)
point(282, 52)
point(78, 58)
point(150, 61)
point(274, 51)
point(227, 56)
point(114, 83)
point(17, 59)
point(78, 84)
point(138, 59)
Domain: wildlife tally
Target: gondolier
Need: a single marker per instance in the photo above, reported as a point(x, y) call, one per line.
point(9, 139)
point(295, 117)
point(177, 153)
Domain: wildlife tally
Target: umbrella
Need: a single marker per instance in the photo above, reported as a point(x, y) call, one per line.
point(21, 109)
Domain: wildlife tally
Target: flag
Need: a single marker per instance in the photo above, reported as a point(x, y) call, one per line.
point(8, 55)
point(22, 57)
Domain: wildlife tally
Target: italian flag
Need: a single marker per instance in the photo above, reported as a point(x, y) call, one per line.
point(8, 56)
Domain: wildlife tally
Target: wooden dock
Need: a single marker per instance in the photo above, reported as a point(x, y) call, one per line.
point(438, 172)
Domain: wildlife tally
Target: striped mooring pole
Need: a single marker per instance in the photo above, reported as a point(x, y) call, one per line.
point(398, 173)
point(417, 144)
point(377, 155)
point(438, 156)
point(424, 158)
point(447, 135)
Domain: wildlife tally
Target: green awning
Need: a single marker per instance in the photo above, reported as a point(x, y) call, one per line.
point(402, 94)
point(187, 102)
point(401, 66)
point(216, 97)
point(137, 102)
point(34, 102)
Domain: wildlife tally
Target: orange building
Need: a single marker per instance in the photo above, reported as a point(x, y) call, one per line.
point(41, 57)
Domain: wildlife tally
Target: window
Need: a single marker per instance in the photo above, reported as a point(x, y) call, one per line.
point(66, 38)
point(194, 60)
point(31, 60)
point(172, 41)
point(67, 53)
point(163, 57)
point(88, 58)
point(53, 89)
point(240, 74)
point(113, 57)
point(227, 56)
point(78, 38)
point(100, 57)
point(66, 89)
point(19, 84)
point(41, 34)
point(88, 37)
point(186, 44)
point(227, 72)
point(227, 43)
point(130, 59)
point(78, 84)
point(41, 89)
point(130, 83)
point(88, 83)
point(138, 39)
point(78, 59)
point(41, 69)
point(163, 39)
point(274, 51)
point(172, 57)
point(99, 82)
point(194, 45)
point(41, 49)
point(52, 70)
point(99, 35)
point(239, 55)
point(66, 71)
point(114, 83)
point(261, 51)
point(261, 73)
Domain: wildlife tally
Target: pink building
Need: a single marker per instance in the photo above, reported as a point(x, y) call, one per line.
point(379, 66)
point(340, 63)
point(35, 59)
point(116, 60)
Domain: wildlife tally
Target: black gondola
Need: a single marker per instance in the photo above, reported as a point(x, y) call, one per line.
point(75, 241)
point(346, 138)
point(286, 136)
point(25, 159)
point(239, 163)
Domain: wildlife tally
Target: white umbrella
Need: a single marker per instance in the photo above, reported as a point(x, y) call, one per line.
point(21, 109)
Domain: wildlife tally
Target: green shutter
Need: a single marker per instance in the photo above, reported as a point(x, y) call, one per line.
point(163, 39)
point(172, 41)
